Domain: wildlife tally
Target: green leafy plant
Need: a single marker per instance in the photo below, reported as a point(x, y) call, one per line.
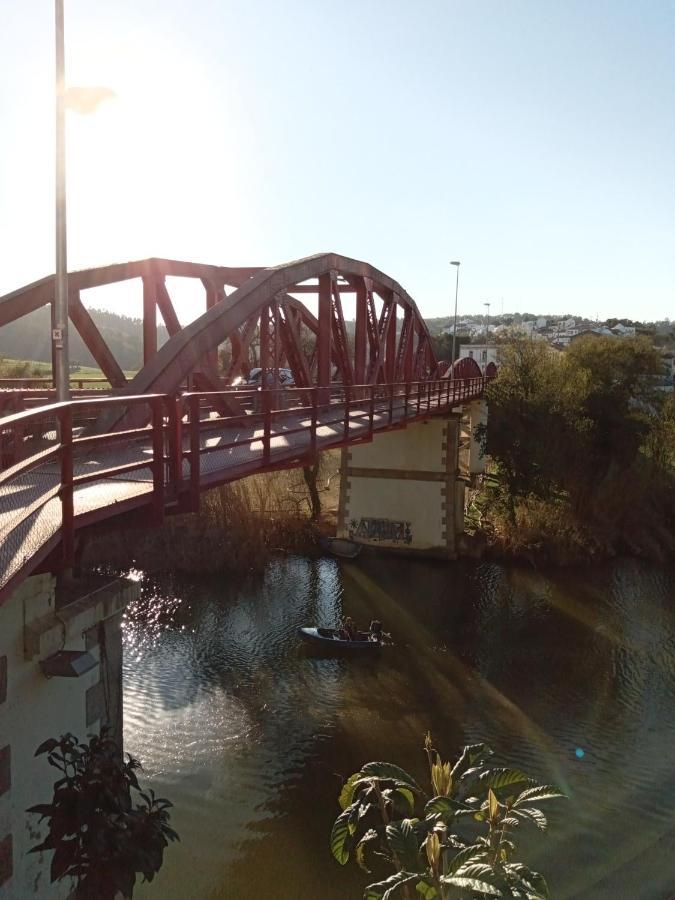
point(101, 839)
point(460, 845)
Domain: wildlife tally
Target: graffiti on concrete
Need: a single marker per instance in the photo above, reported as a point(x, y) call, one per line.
point(380, 530)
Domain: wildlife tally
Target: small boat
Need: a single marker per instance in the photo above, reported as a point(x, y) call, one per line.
point(340, 547)
point(328, 640)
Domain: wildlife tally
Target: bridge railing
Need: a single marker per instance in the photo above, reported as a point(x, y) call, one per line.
point(55, 468)
point(325, 417)
point(48, 457)
point(47, 382)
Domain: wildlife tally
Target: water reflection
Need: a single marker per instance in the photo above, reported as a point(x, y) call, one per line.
point(249, 737)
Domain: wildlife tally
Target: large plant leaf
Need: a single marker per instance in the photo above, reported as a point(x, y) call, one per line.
point(536, 815)
point(493, 804)
point(470, 756)
point(402, 840)
point(474, 853)
point(47, 746)
point(499, 778)
point(42, 809)
point(360, 851)
point(407, 795)
point(537, 794)
point(533, 882)
point(347, 793)
point(341, 839)
point(445, 806)
point(390, 772)
point(64, 856)
point(483, 872)
point(384, 890)
point(472, 884)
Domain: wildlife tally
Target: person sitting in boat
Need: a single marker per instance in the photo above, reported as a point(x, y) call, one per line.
point(348, 630)
point(377, 634)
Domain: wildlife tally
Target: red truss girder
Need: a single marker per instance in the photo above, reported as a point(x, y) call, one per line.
point(405, 348)
point(318, 349)
point(384, 344)
point(289, 331)
point(339, 334)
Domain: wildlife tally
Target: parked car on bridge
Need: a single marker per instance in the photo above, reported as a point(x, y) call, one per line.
point(255, 375)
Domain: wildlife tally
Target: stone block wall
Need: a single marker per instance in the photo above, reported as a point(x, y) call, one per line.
point(33, 708)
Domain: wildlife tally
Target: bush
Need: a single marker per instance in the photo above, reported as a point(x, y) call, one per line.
point(100, 839)
point(433, 840)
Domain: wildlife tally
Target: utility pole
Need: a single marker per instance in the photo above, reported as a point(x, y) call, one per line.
point(60, 361)
point(454, 263)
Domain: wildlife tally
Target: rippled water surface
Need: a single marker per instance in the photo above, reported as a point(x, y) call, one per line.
point(250, 738)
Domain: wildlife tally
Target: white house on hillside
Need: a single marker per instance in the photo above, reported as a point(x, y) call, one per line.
point(482, 353)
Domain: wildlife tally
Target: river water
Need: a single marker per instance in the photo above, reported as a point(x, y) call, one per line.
point(569, 675)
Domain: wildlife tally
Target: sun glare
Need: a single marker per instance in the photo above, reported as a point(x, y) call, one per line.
point(148, 172)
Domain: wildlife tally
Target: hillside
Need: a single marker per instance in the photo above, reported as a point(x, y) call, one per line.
point(29, 338)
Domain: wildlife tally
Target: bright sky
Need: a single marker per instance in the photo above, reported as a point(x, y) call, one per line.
point(534, 141)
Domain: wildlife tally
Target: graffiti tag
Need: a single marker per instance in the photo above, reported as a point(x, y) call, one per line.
point(380, 530)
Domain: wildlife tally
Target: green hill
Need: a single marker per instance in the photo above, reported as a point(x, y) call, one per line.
point(29, 338)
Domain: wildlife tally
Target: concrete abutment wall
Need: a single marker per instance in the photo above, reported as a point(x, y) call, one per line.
point(34, 708)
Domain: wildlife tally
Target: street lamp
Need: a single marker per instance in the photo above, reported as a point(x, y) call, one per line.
point(61, 373)
point(487, 333)
point(455, 263)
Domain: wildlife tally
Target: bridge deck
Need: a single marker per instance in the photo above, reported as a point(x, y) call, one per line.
point(31, 507)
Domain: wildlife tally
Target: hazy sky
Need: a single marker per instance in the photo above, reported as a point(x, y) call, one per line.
point(534, 141)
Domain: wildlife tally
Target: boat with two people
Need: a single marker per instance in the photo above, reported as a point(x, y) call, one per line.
point(346, 639)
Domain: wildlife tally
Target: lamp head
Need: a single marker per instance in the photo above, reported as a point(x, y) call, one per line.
point(454, 262)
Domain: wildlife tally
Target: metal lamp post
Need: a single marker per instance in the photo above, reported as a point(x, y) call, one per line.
point(487, 333)
point(455, 263)
point(60, 363)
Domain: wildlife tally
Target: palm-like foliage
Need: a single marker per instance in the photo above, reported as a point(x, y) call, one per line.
point(459, 845)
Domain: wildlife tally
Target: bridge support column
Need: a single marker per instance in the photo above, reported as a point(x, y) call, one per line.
point(478, 413)
point(35, 624)
point(402, 492)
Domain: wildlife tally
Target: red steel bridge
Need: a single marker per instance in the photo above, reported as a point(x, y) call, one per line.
point(149, 445)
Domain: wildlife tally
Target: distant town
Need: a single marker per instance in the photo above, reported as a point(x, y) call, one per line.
point(480, 337)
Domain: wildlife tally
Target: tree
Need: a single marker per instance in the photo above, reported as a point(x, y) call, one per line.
point(582, 444)
point(442, 345)
point(433, 841)
point(621, 396)
point(537, 429)
point(100, 839)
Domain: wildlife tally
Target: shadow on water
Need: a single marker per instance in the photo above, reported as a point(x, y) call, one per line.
point(250, 737)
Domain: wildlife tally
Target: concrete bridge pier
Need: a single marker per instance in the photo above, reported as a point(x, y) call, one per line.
point(403, 492)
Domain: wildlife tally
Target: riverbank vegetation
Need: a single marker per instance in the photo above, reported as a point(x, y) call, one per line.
point(582, 450)
point(433, 841)
point(237, 529)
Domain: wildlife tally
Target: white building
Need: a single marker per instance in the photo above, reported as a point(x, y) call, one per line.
point(484, 354)
point(624, 330)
